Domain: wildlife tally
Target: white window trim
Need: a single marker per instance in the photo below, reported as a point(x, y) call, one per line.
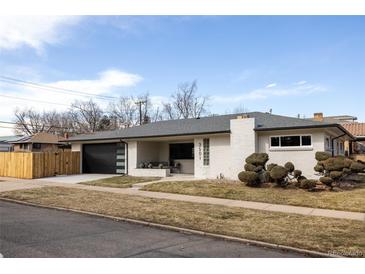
point(293, 148)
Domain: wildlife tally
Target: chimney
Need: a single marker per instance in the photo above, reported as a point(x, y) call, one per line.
point(318, 116)
point(65, 135)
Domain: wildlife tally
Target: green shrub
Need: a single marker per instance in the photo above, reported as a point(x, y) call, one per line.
point(308, 184)
point(259, 168)
point(346, 171)
point(319, 168)
point(257, 159)
point(326, 181)
point(249, 177)
point(322, 156)
point(264, 177)
point(347, 162)
point(334, 164)
point(250, 167)
point(270, 166)
point(357, 167)
point(278, 172)
point(289, 166)
point(336, 174)
point(297, 173)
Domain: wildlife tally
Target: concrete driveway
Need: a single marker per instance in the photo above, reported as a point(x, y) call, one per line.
point(27, 231)
point(74, 179)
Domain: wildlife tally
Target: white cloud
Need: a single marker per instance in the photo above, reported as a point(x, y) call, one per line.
point(301, 82)
point(109, 82)
point(273, 91)
point(271, 85)
point(33, 31)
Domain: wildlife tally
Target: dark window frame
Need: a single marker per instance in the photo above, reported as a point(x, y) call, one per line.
point(308, 143)
point(181, 151)
point(37, 146)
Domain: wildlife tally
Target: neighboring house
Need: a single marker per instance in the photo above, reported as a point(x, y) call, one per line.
point(40, 142)
point(358, 130)
point(208, 147)
point(5, 142)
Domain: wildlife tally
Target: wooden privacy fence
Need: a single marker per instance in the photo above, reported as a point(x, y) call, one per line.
point(30, 165)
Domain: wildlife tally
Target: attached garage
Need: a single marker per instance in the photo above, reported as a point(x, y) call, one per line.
point(107, 158)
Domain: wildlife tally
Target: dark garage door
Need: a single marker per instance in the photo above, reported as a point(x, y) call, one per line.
point(99, 158)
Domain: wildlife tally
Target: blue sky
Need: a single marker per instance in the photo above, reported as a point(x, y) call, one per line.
point(291, 64)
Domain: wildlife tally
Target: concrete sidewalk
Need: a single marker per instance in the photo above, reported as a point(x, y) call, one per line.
point(17, 184)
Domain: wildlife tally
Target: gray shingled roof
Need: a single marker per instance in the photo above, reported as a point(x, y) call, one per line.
point(203, 125)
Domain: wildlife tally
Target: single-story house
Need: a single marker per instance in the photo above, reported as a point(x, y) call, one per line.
point(208, 147)
point(357, 130)
point(39, 142)
point(5, 142)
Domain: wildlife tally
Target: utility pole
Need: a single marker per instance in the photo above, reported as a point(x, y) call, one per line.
point(139, 103)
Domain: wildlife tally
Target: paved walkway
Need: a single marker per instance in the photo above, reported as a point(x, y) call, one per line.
point(15, 184)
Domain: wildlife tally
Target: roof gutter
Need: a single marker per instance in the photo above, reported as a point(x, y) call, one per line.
point(313, 126)
point(143, 137)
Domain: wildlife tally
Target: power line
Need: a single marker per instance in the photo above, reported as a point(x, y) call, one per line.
point(7, 127)
point(33, 100)
point(47, 87)
point(27, 124)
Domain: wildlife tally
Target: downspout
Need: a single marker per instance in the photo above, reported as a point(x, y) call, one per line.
point(332, 143)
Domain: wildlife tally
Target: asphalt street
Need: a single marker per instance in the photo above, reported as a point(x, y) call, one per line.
point(27, 232)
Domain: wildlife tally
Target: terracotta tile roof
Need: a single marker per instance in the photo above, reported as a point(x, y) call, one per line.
point(356, 129)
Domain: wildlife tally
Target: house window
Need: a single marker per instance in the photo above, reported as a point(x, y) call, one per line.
point(341, 147)
point(306, 140)
point(291, 141)
point(24, 146)
point(206, 152)
point(275, 141)
point(328, 143)
point(182, 151)
point(37, 146)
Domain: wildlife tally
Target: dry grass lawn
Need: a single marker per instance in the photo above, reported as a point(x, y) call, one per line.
point(350, 200)
point(120, 181)
point(309, 232)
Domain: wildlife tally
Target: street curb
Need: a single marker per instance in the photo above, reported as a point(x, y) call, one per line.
point(185, 230)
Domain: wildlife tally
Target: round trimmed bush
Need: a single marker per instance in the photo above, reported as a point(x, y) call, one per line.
point(308, 184)
point(347, 162)
point(278, 172)
point(297, 173)
point(319, 168)
point(334, 164)
point(346, 171)
point(336, 174)
point(326, 181)
point(322, 156)
point(270, 166)
point(264, 177)
point(257, 159)
point(258, 168)
point(249, 177)
point(357, 167)
point(289, 166)
point(250, 167)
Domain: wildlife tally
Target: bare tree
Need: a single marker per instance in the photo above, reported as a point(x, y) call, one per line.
point(185, 103)
point(28, 122)
point(123, 112)
point(240, 109)
point(88, 116)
